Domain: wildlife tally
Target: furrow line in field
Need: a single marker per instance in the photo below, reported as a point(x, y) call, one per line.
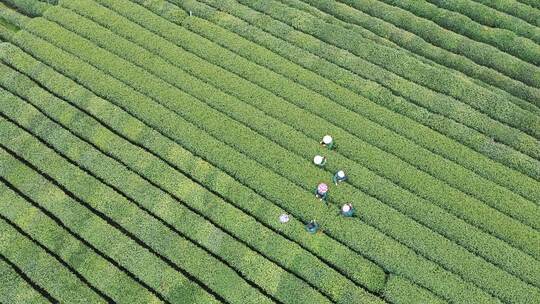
point(64, 264)
point(209, 53)
point(361, 30)
point(11, 19)
point(526, 10)
point(456, 25)
point(56, 281)
point(337, 14)
point(347, 107)
point(173, 98)
point(400, 290)
point(133, 201)
point(14, 289)
point(104, 275)
point(488, 16)
point(495, 110)
point(171, 284)
point(236, 107)
point(200, 69)
point(32, 8)
point(102, 44)
point(168, 281)
point(479, 52)
point(44, 293)
point(213, 265)
point(254, 189)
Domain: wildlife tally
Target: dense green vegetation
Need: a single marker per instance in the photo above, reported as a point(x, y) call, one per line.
point(148, 149)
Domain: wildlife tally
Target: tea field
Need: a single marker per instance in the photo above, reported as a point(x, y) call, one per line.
point(162, 151)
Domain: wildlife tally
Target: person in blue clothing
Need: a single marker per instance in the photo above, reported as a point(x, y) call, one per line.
point(339, 177)
point(347, 210)
point(312, 227)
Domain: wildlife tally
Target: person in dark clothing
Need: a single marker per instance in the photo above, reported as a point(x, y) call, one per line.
point(312, 227)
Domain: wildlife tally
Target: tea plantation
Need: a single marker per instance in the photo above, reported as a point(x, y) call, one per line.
point(270, 151)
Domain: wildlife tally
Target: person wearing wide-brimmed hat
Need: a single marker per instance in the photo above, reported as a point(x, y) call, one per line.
point(339, 177)
point(321, 192)
point(328, 142)
point(347, 210)
point(319, 161)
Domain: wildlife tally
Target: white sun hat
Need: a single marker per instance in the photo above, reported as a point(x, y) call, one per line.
point(284, 218)
point(327, 139)
point(346, 208)
point(341, 174)
point(317, 160)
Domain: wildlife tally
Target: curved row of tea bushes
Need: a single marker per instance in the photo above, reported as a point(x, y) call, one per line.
point(528, 10)
point(31, 8)
point(15, 288)
point(264, 78)
point(400, 290)
point(278, 83)
point(49, 273)
point(479, 52)
point(250, 113)
point(505, 41)
point(435, 83)
point(491, 17)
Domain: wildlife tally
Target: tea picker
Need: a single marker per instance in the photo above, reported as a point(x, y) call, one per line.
point(347, 210)
point(319, 160)
point(321, 192)
point(328, 142)
point(339, 177)
point(312, 227)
